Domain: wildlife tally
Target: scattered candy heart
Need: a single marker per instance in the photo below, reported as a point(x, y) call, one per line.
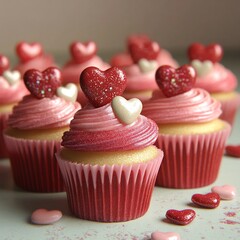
point(82, 52)
point(43, 84)
point(12, 77)
point(44, 217)
point(209, 200)
point(100, 87)
point(28, 51)
point(144, 49)
point(212, 52)
point(175, 81)
point(202, 68)
point(233, 151)
point(69, 92)
point(4, 64)
point(126, 110)
point(182, 217)
point(147, 65)
point(165, 236)
point(226, 192)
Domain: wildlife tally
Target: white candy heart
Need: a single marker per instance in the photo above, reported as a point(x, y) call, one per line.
point(12, 77)
point(147, 65)
point(165, 236)
point(69, 92)
point(202, 68)
point(127, 111)
point(226, 192)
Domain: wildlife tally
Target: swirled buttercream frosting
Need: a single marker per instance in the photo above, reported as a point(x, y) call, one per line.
point(98, 129)
point(194, 106)
point(46, 113)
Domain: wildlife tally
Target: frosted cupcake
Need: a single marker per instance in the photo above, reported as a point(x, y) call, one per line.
point(83, 55)
point(12, 89)
point(35, 129)
point(144, 56)
point(31, 55)
point(191, 134)
point(212, 76)
point(108, 160)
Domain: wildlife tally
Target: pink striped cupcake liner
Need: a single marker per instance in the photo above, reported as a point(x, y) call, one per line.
point(109, 193)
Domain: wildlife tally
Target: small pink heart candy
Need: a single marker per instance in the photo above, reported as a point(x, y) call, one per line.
point(44, 216)
point(165, 236)
point(226, 192)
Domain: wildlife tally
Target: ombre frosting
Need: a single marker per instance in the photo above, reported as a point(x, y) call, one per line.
point(10, 94)
point(219, 79)
point(98, 129)
point(194, 106)
point(46, 113)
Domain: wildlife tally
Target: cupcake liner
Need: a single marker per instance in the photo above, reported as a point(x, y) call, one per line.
point(109, 193)
point(229, 109)
point(3, 124)
point(34, 165)
point(191, 161)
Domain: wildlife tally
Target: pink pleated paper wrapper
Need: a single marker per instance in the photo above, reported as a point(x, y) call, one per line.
point(3, 124)
point(107, 193)
point(191, 161)
point(34, 165)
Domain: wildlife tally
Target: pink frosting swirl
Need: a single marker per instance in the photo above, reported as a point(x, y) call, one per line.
point(194, 106)
point(46, 113)
point(98, 129)
point(219, 79)
point(72, 70)
point(11, 93)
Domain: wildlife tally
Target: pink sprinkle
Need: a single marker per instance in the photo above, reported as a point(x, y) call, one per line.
point(230, 214)
point(230, 222)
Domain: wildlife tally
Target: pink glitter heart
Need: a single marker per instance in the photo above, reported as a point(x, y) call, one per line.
point(226, 192)
point(165, 236)
point(44, 216)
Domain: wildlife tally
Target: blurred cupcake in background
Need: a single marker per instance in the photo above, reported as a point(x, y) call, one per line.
point(35, 129)
point(212, 76)
point(83, 55)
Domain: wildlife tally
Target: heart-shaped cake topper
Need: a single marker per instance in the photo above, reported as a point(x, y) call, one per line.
point(28, 51)
point(226, 192)
point(44, 217)
point(202, 67)
point(127, 111)
point(137, 38)
point(175, 81)
point(82, 52)
point(12, 77)
point(144, 49)
point(212, 52)
point(182, 217)
point(43, 84)
point(209, 200)
point(4, 64)
point(147, 65)
point(165, 236)
point(100, 87)
point(69, 92)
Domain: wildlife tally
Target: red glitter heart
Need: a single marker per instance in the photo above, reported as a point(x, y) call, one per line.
point(4, 64)
point(43, 84)
point(209, 200)
point(28, 51)
point(144, 49)
point(233, 150)
point(175, 81)
point(182, 217)
point(100, 87)
point(82, 52)
point(212, 52)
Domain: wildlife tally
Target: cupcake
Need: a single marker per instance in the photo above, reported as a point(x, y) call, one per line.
point(212, 76)
point(35, 128)
point(140, 64)
point(83, 55)
point(108, 160)
point(191, 134)
point(12, 89)
point(31, 55)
